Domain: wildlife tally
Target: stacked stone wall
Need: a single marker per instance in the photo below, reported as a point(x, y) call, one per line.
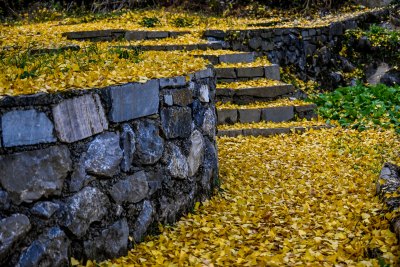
point(88, 173)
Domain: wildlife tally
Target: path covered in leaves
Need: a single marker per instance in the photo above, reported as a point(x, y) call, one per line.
point(290, 200)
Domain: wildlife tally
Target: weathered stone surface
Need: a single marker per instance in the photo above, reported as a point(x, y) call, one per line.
point(209, 122)
point(225, 73)
point(135, 35)
point(250, 72)
point(143, 222)
point(85, 207)
point(237, 58)
point(207, 73)
point(12, 230)
point(278, 114)
point(255, 43)
point(176, 122)
point(210, 168)
point(4, 200)
point(272, 72)
point(249, 115)
point(130, 190)
point(128, 142)
point(265, 132)
point(28, 176)
point(230, 133)
point(157, 34)
point(172, 207)
point(204, 93)
point(267, 92)
point(196, 152)
point(104, 155)
point(45, 209)
point(336, 28)
point(26, 127)
point(78, 118)
point(174, 82)
point(374, 3)
point(149, 144)
point(229, 116)
point(79, 177)
point(50, 249)
point(127, 101)
point(112, 243)
point(390, 174)
point(177, 164)
point(168, 100)
point(180, 97)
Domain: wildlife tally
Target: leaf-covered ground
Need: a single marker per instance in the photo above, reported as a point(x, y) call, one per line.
point(288, 200)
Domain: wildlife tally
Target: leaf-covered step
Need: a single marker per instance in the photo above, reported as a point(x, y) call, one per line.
point(244, 92)
point(225, 56)
point(270, 128)
point(260, 68)
point(115, 34)
point(280, 110)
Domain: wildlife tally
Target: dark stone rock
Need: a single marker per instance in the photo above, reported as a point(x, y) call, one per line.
point(210, 168)
point(179, 81)
point(324, 55)
point(225, 73)
point(104, 155)
point(157, 34)
point(390, 174)
point(227, 116)
point(272, 72)
point(209, 122)
point(249, 115)
point(196, 152)
point(172, 208)
point(203, 74)
point(112, 242)
point(27, 176)
point(198, 113)
point(391, 78)
point(149, 144)
point(335, 29)
point(176, 122)
point(267, 46)
point(79, 177)
point(335, 78)
point(309, 48)
point(78, 118)
point(180, 97)
point(177, 164)
point(51, 249)
point(127, 101)
point(250, 72)
point(45, 209)
point(143, 222)
point(218, 34)
point(255, 43)
point(128, 142)
point(4, 200)
point(87, 206)
point(130, 190)
point(278, 114)
point(26, 127)
point(364, 44)
point(12, 230)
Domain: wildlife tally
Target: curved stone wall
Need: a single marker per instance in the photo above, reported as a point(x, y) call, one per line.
point(84, 172)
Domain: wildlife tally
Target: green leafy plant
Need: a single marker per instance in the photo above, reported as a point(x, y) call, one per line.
point(361, 107)
point(150, 22)
point(182, 22)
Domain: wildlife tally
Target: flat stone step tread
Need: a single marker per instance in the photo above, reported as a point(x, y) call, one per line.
point(280, 110)
point(176, 47)
point(247, 71)
point(262, 88)
point(226, 56)
point(270, 131)
point(114, 34)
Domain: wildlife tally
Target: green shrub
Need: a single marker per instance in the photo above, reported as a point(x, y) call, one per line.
point(361, 107)
point(150, 22)
point(182, 22)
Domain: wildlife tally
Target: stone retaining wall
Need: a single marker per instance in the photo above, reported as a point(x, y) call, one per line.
point(314, 51)
point(84, 172)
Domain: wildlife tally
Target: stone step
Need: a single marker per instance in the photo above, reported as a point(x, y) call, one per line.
point(232, 74)
point(119, 34)
point(176, 47)
point(251, 91)
point(269, 131)
point(228, 58)
point(284, 112)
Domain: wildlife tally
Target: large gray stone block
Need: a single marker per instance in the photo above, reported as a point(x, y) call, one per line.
point(249, 115)
point(130, 190)
point(176, 122)
point(180, 97)
point(272, 72)
point(112, 242)
point(237, 58)
point(173, 82)
point(226, 73)
point(250, 72)
point(50, 249)
point(149, 144)
point(87, 206)
point(227, 116)
point(27, 176)
point(134, 100)
point(177, 163)
point(26, 127)
point(143, 222)
point(104, 155)
point(12, 230)
point(128, 142)
point(135, 35)
point(78, 118)
point(278, 114)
